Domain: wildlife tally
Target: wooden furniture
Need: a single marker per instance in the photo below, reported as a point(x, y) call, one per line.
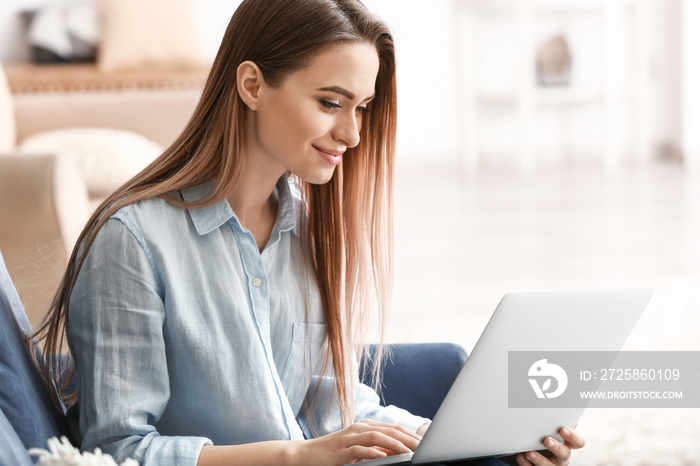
point(156, 103)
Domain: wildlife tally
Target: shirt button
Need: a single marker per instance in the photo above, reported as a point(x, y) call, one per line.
point(257, 282)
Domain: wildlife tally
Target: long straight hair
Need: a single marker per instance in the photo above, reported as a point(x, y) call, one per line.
point(348, 224)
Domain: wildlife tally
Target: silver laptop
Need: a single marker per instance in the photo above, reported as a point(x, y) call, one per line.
point(474, 420)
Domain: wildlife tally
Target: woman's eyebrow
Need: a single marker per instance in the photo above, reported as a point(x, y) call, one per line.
point(344, 92)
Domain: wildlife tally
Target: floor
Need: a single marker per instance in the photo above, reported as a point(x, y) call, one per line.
point(463, 240)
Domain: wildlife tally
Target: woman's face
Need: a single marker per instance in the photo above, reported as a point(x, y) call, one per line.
point(306, 124)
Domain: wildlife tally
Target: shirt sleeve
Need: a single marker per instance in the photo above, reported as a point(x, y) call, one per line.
point(368, 406)
point(321, 415)
point(116, 319)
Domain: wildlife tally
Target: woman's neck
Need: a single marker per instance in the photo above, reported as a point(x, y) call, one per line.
point(254, 201)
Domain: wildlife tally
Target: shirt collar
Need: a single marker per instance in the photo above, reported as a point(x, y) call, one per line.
point(208, 219)
point(286, 215)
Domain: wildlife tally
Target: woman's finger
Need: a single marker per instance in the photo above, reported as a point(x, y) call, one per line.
point(359, 453)
point(561, 451)
point(400, 433)
point(533, 457)
point(377, 439)
point(408, 440)
point(398, 427)
point(572, 438)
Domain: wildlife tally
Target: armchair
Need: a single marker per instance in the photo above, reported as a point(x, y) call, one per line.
point(416, 378)
point(109, 127)
point(43, 206)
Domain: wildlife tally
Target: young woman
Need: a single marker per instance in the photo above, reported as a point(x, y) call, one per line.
point(214, 301)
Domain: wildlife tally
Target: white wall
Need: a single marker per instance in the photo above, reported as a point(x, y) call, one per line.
point(690, 136)
point(427, 81)
point(666, 64)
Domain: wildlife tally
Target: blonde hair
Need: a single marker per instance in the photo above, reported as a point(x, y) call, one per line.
point(347, 229)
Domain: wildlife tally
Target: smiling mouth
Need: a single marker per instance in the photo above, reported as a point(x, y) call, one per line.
point(332, 157)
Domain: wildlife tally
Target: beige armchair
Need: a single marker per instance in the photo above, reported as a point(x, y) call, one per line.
point(44, 202)
point(43, 207)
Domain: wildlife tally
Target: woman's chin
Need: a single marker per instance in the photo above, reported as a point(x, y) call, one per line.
point(318, 177)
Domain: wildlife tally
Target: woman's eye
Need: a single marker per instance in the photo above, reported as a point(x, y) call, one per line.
point(330, 105)
point(362, 110)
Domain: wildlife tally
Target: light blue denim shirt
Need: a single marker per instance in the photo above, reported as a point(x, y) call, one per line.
point(184, 335)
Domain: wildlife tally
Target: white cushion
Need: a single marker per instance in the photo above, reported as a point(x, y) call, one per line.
point(8, 130)
point(107, 158)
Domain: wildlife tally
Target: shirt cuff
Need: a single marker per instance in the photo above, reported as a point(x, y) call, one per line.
point(398, 415)
point(166, 451)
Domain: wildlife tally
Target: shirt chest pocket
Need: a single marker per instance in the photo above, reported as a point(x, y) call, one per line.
point(304, 355)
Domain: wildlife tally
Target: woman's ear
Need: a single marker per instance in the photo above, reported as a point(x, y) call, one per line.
point(249, 79)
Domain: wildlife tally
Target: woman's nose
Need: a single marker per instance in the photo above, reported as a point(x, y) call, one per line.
point(347, 130)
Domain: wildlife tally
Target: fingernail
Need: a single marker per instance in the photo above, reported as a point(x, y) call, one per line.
point(531, 455)
point(549, 442)
point(520, 459)
point(566, 432)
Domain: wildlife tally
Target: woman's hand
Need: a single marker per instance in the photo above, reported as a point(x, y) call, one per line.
point(559, 453)
point(361, 441)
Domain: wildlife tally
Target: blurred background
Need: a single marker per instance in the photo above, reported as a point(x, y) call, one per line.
point(615, 76)
point(543, 144)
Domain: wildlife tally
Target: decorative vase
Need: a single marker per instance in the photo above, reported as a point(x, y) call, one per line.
point(554, 62)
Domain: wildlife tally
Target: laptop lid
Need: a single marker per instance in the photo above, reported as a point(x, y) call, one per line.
point(474, 419)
